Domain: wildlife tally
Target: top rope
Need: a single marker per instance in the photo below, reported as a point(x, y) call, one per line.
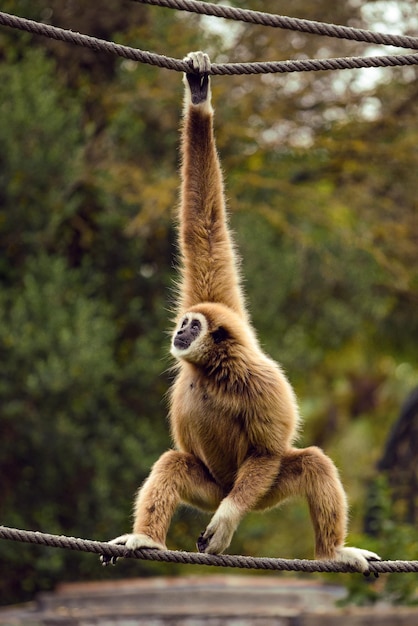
point(126, 52)
point(288, 23)
point(195, 558)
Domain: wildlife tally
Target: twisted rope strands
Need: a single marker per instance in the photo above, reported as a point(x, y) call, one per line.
point(192, 558)
point(288, 23)
point(314, 65)
point(170, 63)
point(69, 36)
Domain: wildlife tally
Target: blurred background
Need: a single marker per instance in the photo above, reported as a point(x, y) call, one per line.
point(321, 174)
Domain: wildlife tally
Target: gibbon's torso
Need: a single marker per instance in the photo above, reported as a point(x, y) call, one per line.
point(213, 413)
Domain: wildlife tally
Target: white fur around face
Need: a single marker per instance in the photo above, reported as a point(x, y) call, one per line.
point(192, 352)
point(357, 557)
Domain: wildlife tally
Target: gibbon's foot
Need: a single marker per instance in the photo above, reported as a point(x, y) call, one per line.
point(198, 82)
point(131, 541)
point(357, 557)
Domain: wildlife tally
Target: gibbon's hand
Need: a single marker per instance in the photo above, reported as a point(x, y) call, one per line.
point(199, 80)
point(214, 541)
point(218, 534)
point(131, 542)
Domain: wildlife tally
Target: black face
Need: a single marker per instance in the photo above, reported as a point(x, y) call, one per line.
point(187, 333)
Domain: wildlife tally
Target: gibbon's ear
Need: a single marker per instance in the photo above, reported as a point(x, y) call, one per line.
point(220, 334)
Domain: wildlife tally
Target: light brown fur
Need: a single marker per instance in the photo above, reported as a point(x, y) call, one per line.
point(233, 413)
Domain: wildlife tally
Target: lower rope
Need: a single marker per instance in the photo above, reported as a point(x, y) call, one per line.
point(195, 558)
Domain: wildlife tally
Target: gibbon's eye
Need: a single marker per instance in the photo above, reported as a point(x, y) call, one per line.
point(195, 325)
point(184, 322)
point(220, 334)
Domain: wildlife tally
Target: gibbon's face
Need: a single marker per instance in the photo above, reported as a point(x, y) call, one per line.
point(194, 340)
point(188, 338)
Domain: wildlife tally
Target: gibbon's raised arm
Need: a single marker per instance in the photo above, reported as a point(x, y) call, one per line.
point(209, 267)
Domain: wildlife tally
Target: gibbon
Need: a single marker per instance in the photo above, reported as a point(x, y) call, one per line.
point(233, 413)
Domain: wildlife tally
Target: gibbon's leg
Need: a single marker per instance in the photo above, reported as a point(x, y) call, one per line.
point(310, 473)
point(209, 271)
point(175, 477)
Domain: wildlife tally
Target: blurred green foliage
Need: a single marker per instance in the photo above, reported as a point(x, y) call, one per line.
point(321, 175)
point(394, 537)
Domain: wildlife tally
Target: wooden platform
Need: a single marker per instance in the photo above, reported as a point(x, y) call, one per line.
point(201, 601)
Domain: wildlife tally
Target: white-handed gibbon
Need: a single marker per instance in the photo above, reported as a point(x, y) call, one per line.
point(234, 416)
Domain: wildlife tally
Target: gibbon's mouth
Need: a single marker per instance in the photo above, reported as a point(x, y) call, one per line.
point(180, 343)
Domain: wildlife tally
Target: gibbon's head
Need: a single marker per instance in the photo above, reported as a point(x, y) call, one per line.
point(209, 331)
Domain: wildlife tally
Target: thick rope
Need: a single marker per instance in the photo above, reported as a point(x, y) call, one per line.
point(288, 23)
point(194, 558)
point(134, 54)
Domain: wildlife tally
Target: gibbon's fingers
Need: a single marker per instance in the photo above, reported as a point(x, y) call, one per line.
point(357, 557)
point(111, 560)
point(215, 541)
point(106, 560)
point(219, 532)
point(199, 61)
point(132, 542)
point(198, 82)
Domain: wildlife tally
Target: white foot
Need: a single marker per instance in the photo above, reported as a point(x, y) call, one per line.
point(357, 557)
point(132, 541)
